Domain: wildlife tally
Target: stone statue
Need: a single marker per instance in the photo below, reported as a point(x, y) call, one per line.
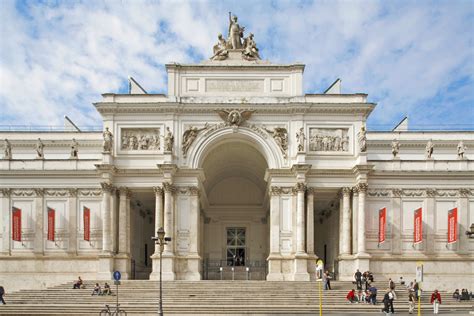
point(250, 49)
point(235, 33)
point(39, 149)
point(395, 148)
point(169, 141)
point(220, 49)
point(429, 149)
point(8, 150)
point(74, 149)
point(108, 141)
point(300, 137)
point(461, 149)
point(280, 135)
point(362, 136)
point(188, 138)
point(234, 117)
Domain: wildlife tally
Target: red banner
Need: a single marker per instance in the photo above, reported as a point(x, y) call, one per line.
point(16, 224)
point(51, 223)
point(382, 222)
point(418, 231)
point(87, 224)
point(453, 225)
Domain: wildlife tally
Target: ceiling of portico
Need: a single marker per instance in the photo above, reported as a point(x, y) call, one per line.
point(234, 163)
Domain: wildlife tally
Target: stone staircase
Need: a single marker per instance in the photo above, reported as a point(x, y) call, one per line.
point(140, 297)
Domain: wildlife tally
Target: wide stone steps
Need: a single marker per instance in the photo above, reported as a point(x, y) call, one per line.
point(140, 297)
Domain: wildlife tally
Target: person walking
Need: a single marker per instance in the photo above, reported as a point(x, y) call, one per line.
point(435, 301)
point(411, 302)
point(2, 292)
point(392, 296)
point(327, 280)
point(386, 302)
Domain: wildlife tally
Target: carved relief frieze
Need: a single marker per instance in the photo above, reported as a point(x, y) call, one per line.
point(56, 192)
point(140, 139)
point(280, 135)
point(378, 192)
point(276, 190)
point(329, 139)
point(26, 193)
point(94, 192)
point(447, 193)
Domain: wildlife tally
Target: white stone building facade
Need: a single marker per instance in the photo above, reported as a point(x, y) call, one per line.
point(243, 170)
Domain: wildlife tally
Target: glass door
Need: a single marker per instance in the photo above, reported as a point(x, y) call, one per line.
point(235, 246)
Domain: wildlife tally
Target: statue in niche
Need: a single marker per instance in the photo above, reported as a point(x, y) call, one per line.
point(169, 140)
point(235, 33)
point(74, 149)
point(188, 138)
point(250, 49)
point(280, 135)
point(461, 149)
point(108, 141)
point(429, 149)
point(7, 154)
point(300, 138)
point(39, 149)
point(395, 148)
point(220, 49)
point(362, 136)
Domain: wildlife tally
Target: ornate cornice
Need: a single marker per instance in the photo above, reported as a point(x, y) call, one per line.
point(429, 192)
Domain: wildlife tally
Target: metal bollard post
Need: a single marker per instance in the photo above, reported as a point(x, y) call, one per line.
point(220, 270)
point(248, 271)
point(232, 273)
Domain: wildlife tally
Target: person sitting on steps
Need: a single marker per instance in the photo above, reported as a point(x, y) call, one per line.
point(106, 290)
point(79, 284)
point(97, 290)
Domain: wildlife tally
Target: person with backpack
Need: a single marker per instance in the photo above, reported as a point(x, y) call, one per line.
point(386, 303)
point(411, 302)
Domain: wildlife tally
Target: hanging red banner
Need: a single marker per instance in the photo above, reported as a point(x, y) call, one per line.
point(418, 231)
point(87, 224)
point(51, 223)
point(382, 222)
point(16, 224)
point(453, 225)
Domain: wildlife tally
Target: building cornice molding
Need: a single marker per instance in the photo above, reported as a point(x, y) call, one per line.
point(421, 192)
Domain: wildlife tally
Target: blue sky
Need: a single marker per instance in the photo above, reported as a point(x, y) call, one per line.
point(413, 58)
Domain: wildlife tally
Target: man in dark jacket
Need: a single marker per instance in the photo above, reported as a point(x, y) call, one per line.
point(2, 292)
point(358, 279)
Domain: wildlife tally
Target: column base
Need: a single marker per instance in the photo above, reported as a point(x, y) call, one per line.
point(346, 268)
point(106, 266)
point(312, 266)
point(168, 272)
point(274, 268)
point(123, 263)
point(191, 268)
point(301, 268)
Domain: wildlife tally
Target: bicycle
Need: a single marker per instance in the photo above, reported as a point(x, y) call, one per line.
point(117, 312)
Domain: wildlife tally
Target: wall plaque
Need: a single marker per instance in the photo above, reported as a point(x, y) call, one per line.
point(234, 85)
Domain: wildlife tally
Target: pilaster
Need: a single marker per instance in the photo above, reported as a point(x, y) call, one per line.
point(429, 226)
point(396, 222)
point(346, 221)
point(72, 223)
point(464, 224)
point(39, 224)
point(274, 259)
point(5, 214)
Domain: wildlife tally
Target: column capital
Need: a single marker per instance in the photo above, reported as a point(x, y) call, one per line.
point(124, 191)
point(463, 192)
point(431, 193)
point(5, 192)
point(299, 187)
point(274, 190)
point(158, 190)
point(193, 190)
point(169, 187)
point(311, 190)
point(362, 187)
point(346, 191)
point(397, 192)
point(107, 187)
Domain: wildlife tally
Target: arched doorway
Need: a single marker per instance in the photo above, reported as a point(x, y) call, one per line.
point(235, 232)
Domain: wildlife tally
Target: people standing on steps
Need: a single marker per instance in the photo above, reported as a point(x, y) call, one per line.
point(2, 292)
point(358, 279)
point(435, 301)
point(392, 296)
point(327, 280)
point(411, 302)
point(386, 302)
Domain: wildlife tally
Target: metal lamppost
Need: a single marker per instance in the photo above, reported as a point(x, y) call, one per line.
point(161, 240)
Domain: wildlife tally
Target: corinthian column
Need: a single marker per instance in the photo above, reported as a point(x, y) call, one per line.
point(346, 221)
point(300, 188)
point(362, 188)
point(158, 213)
point(124, 220)
point(169, 216)
point(107, 188)
point(310, 221)
point(194, 220)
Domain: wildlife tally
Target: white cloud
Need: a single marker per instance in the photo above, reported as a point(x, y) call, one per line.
point(57, 60)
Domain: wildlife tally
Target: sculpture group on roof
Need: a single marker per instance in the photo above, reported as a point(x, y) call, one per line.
point(235, 41)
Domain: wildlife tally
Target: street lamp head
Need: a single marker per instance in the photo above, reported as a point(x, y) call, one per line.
point(161, 233)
